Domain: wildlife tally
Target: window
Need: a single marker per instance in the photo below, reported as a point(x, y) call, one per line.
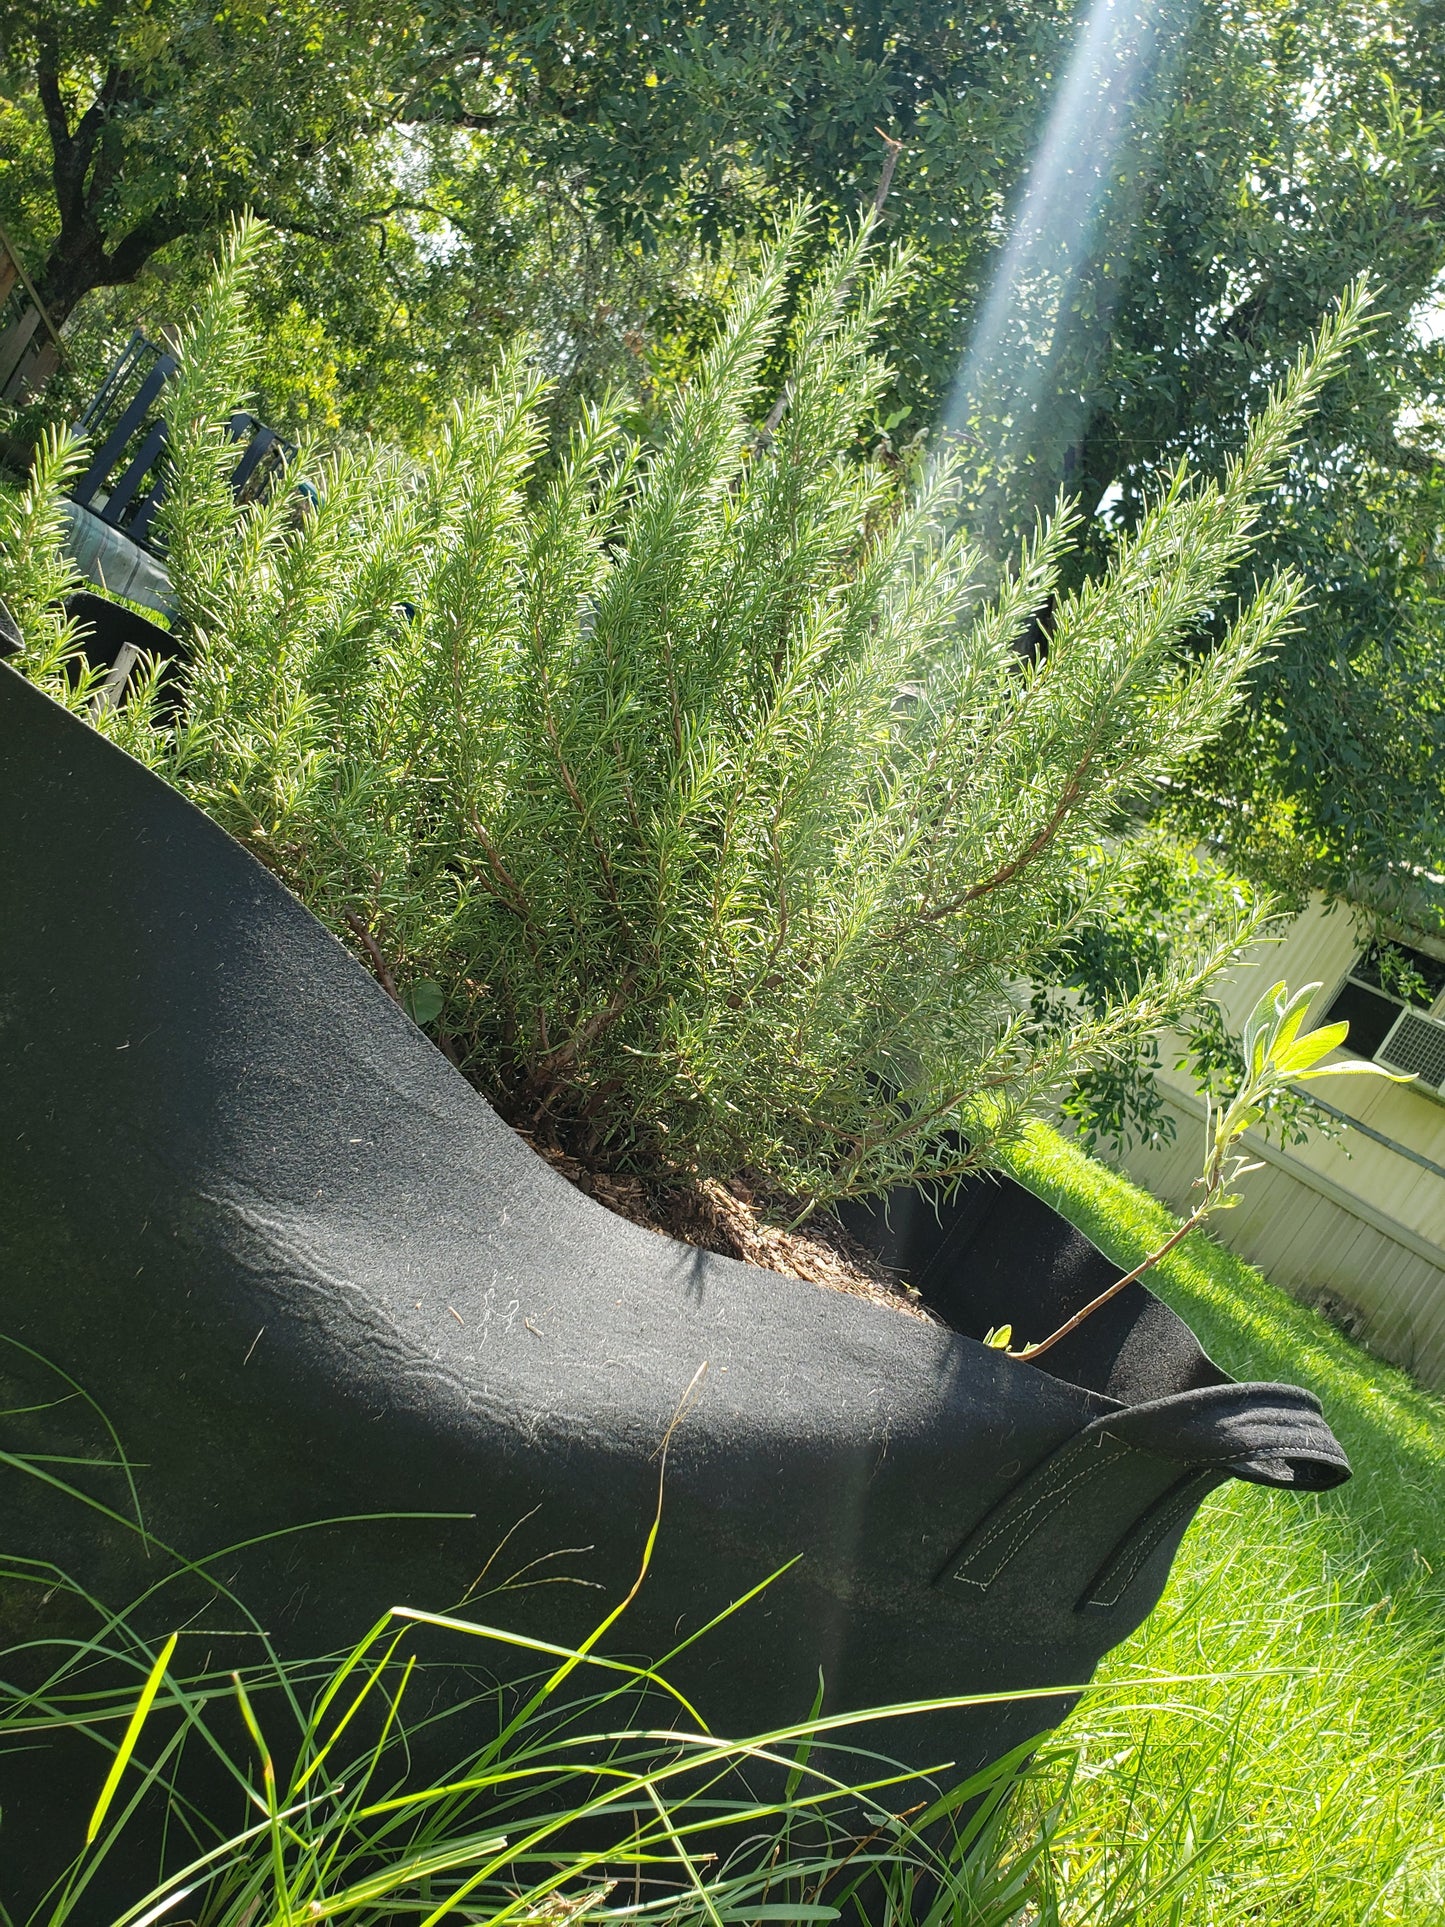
point(1388, 980)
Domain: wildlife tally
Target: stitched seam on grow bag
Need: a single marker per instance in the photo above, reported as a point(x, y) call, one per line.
point(1119, 1571)
point(1059, 1482)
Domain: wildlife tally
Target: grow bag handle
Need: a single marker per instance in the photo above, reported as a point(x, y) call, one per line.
point(1267, 1434)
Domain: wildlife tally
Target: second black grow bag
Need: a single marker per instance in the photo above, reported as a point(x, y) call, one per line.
point(309, 1274)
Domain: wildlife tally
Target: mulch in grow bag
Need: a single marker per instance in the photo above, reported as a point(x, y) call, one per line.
point(309, 1274)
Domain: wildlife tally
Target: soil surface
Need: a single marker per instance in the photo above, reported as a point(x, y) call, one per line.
point(737, 1222)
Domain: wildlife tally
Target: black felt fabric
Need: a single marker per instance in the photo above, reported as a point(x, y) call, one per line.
point(965, 1254)
point(309, 1274)
point(108, 627)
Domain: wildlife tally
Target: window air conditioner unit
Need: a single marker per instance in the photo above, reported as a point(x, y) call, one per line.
point(1416, 1044)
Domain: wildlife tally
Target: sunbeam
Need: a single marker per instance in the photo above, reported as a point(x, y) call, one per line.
point(1003, 399)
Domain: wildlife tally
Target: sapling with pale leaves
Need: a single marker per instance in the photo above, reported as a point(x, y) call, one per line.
point(700, 797)
point(1278, 1052)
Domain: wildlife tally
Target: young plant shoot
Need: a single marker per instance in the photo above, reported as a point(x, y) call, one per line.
point(1276, 1056)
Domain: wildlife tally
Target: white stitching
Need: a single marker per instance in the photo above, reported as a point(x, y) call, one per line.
point(1013, 1515)
point(1148, 1543)
point(1030, 1518)
point(1020, 1523)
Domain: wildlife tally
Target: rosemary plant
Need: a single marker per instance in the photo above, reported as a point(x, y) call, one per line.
point(701, 796)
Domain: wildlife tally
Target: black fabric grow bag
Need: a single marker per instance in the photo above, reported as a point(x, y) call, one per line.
point(309, 1274)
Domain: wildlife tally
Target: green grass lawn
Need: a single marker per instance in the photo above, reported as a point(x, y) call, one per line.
point(1270, 1747)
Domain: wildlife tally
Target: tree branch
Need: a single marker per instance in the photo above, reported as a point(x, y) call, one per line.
point(890, 161)
point(97, 129)
point(1036, 845)
point(1034, 848)
point(369, 217)
point(1191, 1223)
point(147, 237)
point(1414, 461)
point(448, 61)
point(91, 125)
point(453, 117)
point(601, 1020)
point(57, 123)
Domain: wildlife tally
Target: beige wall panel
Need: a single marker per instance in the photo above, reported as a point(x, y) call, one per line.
point(1373, 1173)
point(1319, 947)
point(1390, 1295)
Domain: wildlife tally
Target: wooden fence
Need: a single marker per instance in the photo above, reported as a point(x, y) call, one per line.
point(30, 345)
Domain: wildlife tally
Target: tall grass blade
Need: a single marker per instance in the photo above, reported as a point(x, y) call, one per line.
point(130, 1738)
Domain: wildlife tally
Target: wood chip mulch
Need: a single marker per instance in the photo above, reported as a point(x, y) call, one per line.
point(733, 1220)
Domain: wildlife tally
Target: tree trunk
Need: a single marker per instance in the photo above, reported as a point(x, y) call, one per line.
point(70, 272)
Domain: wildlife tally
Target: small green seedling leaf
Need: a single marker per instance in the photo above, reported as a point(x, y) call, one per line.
point(1000, 1337)
point(1358, 1069)
point(129, 1738)
point(423, 1001)
point(1261, 1026)
point(1310, 1048)
point(1292, 1016)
